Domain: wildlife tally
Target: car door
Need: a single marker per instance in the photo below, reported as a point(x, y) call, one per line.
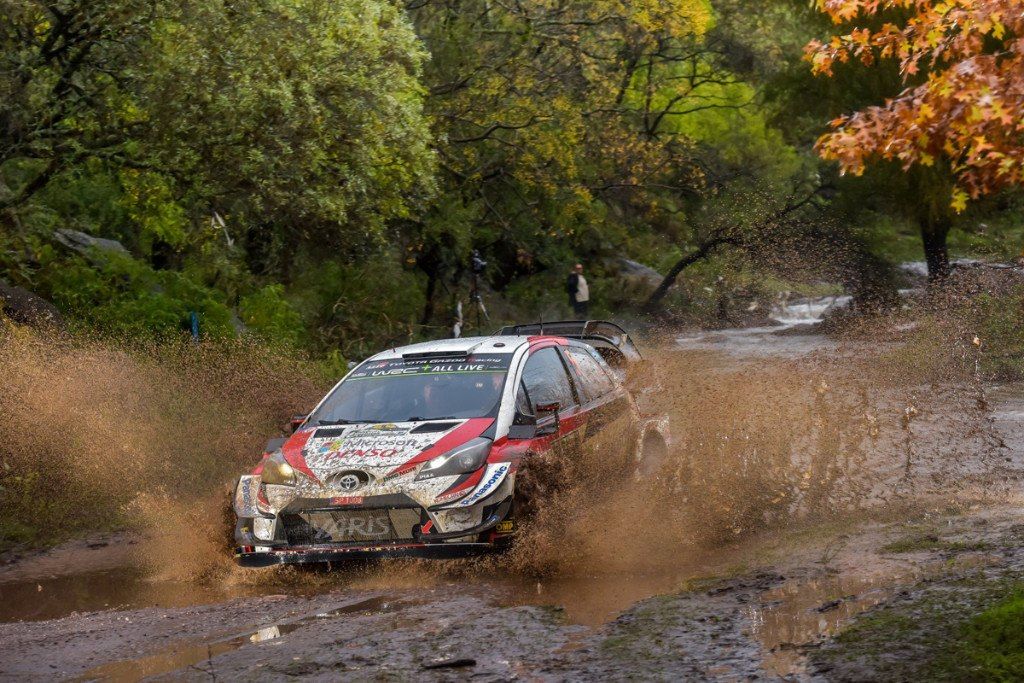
point(611, 423)
point(545, 380)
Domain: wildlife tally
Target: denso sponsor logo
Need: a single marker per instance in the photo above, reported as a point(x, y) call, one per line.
point(327, 458)
point(486, 488)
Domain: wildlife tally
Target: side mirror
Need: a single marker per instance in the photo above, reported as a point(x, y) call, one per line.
point(296, 421)
point(545, 411)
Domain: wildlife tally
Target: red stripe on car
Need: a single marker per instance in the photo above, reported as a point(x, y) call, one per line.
point(463, 485)
point(472, 428)
point(292, 450)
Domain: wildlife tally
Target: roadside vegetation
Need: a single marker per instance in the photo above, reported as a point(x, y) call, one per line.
point(318, 176)
point(966, 629)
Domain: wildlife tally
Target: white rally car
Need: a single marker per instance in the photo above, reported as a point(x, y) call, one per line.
point(416, 451)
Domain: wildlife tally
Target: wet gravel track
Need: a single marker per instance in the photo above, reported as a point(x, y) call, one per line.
point(765, 608)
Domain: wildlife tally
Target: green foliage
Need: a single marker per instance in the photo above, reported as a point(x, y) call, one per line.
point(124, 296)
point(354, 309)
point(324, 170)
point(316, 117)
point(298, 121)
point(548, 138)
point(149, 202)
point(268, 312)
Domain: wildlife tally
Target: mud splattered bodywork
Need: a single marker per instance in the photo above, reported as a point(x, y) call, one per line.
point(415, 452)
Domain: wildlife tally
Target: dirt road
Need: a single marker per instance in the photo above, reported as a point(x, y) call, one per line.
point(765, 602)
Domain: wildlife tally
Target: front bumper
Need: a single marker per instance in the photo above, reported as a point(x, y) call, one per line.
point(493, 532)
point(248, 556)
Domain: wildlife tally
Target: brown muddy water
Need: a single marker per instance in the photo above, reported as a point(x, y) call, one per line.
point(796, 461)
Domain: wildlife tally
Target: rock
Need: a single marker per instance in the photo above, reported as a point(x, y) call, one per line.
point(87, 245)
point(26, 308)
point(456, 663)
point(632, 270)
point(241, 329)
point(829, 606)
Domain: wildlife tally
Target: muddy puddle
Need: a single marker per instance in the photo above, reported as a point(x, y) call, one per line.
point(803, 612)
point(190, 655)
point(114, 589)
point(584, 600)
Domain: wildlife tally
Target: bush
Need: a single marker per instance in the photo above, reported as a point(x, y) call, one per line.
point(268, 313)
point(121, 295)
point(356, 308)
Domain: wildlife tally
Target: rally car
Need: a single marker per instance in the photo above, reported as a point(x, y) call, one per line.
point(416, 451)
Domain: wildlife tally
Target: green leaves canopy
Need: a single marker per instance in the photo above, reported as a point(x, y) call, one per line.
point(296, 114)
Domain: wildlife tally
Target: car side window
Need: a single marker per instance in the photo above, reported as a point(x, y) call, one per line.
point(614, 376)
point(595, 380)
point(546, 379)
point(523, 406)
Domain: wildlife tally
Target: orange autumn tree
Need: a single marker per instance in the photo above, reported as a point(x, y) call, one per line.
point(962, 62)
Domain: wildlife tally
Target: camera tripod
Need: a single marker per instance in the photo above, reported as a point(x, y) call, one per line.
point(476, 300)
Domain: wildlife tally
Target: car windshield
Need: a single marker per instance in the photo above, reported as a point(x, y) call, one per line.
point(412, 389)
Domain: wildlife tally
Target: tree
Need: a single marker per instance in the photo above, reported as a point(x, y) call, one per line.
point(559, 127)
point(958, 122)
point(299, 122)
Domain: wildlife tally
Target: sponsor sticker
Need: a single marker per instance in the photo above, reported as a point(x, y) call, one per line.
point(489, 484)
point(387, 427)
point(379, 446)
point(398, 367)
point(246, 495)
point(506, 527)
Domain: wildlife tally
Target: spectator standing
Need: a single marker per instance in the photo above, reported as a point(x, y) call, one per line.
point(579, 292)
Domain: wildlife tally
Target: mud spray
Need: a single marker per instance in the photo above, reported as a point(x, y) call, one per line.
point(763, 442)
point(100, 434)
point(97, 433)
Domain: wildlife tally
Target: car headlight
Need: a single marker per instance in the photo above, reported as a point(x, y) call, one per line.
point(468, 457)
point(277, 471)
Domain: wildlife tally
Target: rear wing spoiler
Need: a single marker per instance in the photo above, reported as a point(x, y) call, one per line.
point(609, 339)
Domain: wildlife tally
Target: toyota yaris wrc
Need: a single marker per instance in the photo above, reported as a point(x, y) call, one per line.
point(416, 451)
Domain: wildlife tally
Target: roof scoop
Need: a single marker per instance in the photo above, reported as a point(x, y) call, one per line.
point(434, 355)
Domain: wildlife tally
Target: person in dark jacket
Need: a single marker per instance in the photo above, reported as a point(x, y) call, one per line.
point(579, 292)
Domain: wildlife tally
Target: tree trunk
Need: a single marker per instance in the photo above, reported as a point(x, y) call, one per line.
point(428, 305)
point(936, 255)
point(702, 251)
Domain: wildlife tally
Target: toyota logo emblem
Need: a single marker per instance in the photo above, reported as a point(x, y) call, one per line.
point(349, 482)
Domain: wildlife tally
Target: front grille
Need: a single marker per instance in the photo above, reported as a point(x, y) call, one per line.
point(349, 526)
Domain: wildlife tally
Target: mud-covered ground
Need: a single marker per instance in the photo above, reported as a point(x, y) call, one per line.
point(767, 611)
point(873, 500)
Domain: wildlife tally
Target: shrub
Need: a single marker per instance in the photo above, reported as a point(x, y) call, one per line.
point(121, 295)
point(267, 312)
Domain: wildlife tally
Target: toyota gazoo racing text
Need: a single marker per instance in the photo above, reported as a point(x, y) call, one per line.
point(416, 451)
